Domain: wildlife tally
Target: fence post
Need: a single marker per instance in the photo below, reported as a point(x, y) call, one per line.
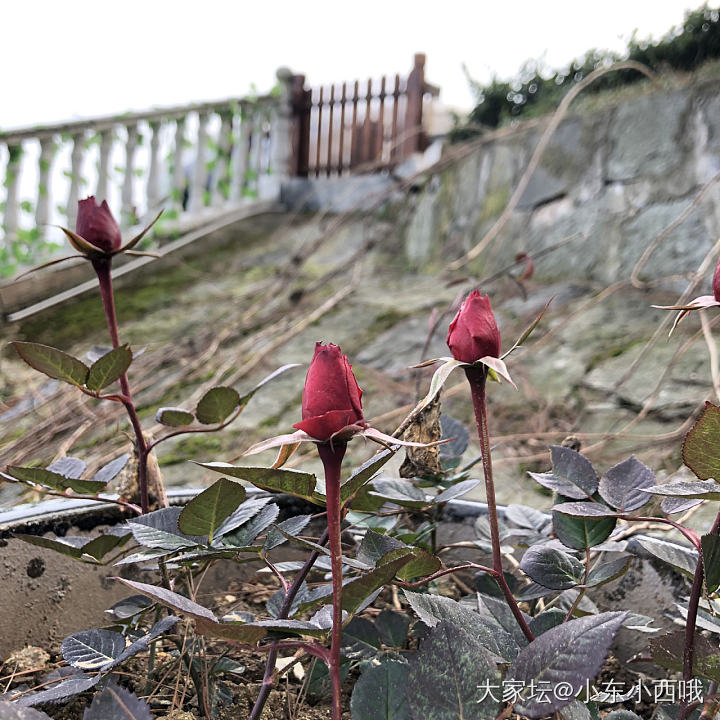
point(301, 106)
point(415, 137)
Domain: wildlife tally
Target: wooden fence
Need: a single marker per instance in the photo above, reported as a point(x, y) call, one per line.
point(358, 127)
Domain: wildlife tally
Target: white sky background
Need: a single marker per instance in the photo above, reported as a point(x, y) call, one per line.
point(79, 58)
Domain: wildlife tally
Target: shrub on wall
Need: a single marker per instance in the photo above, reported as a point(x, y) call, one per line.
point(534, 91)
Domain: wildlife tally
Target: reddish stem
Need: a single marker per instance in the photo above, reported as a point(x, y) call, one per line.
point(268, 677)
point(691, 621)
point(693, 604)
point(477, 377)
point(331, 456)
point(689, 534)
point(102, 267)
point(447, 571)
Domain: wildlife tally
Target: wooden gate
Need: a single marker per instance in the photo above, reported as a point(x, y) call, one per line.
point(358, 127)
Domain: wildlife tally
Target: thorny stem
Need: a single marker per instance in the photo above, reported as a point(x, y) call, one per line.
point(268, 679)
point(164, 575)
point(102, 268)
point(331, 456)
point(506, 712)
point(477, 377)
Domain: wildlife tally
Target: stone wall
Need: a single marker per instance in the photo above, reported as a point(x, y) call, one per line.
point(617, 176)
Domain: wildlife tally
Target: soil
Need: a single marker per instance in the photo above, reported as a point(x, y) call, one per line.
point(172, 695)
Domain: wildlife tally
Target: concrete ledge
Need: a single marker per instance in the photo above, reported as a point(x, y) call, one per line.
point(336, 195)
point(42, 290)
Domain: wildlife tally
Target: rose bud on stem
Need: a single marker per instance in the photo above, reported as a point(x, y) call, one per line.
point(96, 224)
point(97, 237)
point(97, 227)
point(332, 411)
point(474, 335)
point(331, 415)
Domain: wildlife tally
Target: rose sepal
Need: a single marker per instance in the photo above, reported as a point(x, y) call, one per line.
point(295, 438)
point(388, 441)
point(341, 436)
point(528, 330)
point(48, 264)
point(497, 369)
point(132, 243)
point(89, 251)
point(85, 248)
point(699, 303)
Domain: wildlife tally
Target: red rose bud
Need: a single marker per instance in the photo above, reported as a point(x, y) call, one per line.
point(716, 282)
point(473, 332)
point(331, 398)
point(96, 224)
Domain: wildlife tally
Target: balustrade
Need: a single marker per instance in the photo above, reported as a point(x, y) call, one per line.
point(200, 159)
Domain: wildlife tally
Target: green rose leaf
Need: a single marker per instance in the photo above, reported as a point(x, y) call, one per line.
point(292, 482)
point(707, 490)
point(701, 449)
point(108, 368)
point(449, 674)
point(56, 481)
point(681, 557)
point(117, 703)
point(204, 514)
point(570, 653)
point(579, 525)
point(364, 473)
point(379, 693)
point(711, 561)
point(433, 609)
point(216, 405)
point(552, 568)
point(572, 474)
point(174, 417)
point(53, 362)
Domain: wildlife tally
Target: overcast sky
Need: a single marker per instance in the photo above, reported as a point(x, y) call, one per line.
point(79, 58)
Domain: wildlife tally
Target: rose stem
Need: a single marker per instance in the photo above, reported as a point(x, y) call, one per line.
point(477, 377)
point(268, 682)
point(693, 604)
point(102, 269)
point(331, 456)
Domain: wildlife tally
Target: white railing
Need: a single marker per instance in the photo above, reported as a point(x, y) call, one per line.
point(193, 161)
